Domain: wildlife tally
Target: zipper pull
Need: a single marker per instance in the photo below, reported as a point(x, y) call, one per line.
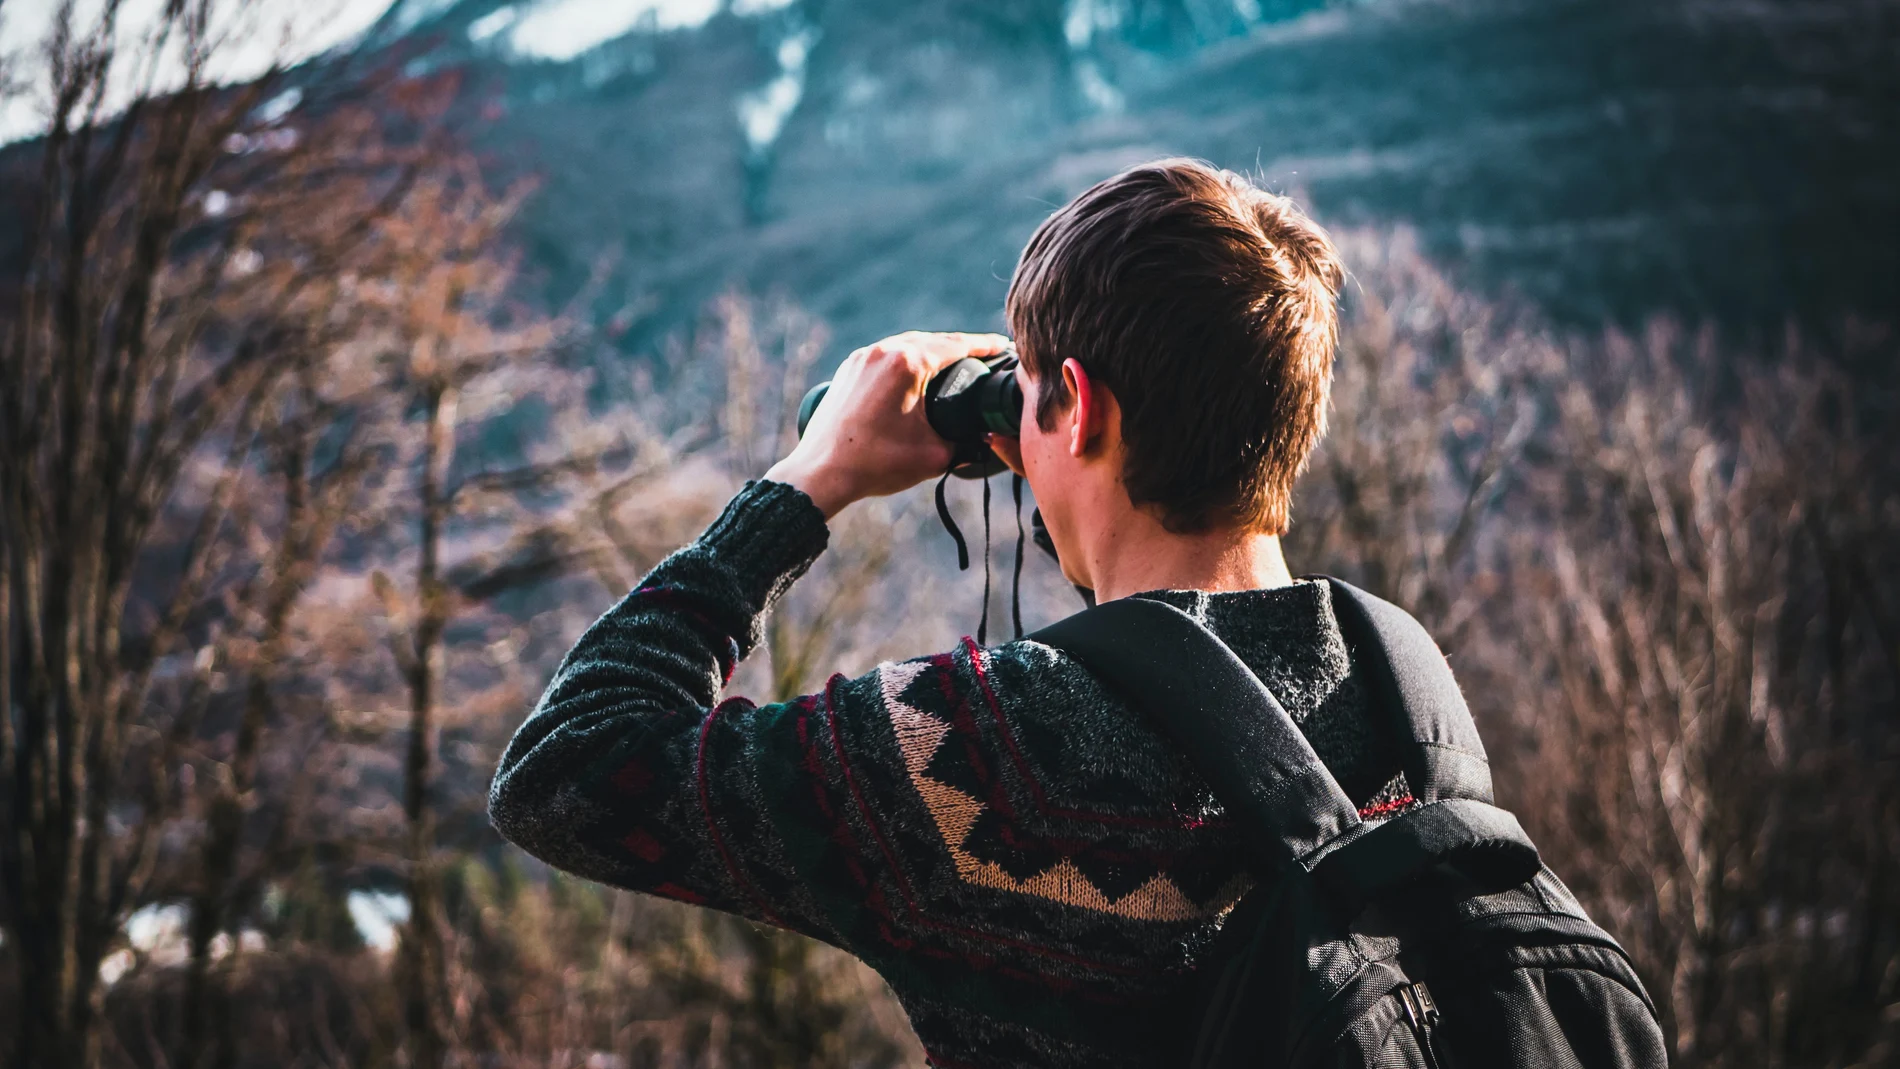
point(1421, 1012)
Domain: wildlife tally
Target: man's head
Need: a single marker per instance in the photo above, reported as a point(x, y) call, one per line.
point(1193, 315)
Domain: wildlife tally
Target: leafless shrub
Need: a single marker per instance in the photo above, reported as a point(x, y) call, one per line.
point(1658, 565)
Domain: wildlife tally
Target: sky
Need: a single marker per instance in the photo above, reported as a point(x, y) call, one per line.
point(290, 30)
point(283, 30)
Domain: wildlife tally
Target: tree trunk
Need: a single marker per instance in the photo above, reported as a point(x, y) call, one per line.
point(423, 971)
point(210, 907)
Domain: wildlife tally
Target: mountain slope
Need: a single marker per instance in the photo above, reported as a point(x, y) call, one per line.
point(883, 162)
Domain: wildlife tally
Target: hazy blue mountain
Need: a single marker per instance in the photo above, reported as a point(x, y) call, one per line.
point(882, 161)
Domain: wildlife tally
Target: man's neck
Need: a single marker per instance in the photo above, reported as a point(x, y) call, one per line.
point(1136, 553)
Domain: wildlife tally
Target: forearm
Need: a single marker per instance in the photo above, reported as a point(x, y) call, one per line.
point(642, 679)
point(675, 639)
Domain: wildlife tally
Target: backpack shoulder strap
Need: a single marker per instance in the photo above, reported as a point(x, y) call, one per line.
point(1263, 770)
point(1216, 711)
point(1413, 690)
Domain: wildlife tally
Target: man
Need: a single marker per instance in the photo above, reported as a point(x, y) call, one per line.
point(1031, 868)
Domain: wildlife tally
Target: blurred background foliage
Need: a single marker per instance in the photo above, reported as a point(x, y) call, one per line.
point(338, 399)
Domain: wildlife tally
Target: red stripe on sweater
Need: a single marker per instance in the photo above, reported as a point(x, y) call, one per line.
point(1383, 808)
point(712, 826)
point(995, 793)
point(841, 831)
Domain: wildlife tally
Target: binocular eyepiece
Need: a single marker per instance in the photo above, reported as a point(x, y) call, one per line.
point(972, 398)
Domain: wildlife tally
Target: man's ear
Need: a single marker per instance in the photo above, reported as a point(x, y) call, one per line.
point(1088, 417)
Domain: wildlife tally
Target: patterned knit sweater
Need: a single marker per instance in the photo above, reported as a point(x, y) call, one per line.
point(1007, 843)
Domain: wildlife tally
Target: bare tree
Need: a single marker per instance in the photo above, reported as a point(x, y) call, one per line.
point(317, 443)
point(171, 341)
point(449, 343)
point(126, 357)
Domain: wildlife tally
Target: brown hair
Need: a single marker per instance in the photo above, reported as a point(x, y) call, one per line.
point(1207, 307)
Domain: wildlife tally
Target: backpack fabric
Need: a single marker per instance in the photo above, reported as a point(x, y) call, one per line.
point(1435, 938)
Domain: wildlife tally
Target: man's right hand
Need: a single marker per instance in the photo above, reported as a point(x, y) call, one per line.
point(869, 436)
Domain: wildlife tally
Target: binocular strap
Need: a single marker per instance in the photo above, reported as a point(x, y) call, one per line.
point(963, 550)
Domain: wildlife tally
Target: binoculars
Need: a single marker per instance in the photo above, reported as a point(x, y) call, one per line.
point(972, 398)
point(966, 402)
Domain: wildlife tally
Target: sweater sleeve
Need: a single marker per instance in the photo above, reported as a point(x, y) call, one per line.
point(632, 771)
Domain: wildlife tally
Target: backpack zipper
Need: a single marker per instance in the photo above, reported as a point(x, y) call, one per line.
point(1421, 1012)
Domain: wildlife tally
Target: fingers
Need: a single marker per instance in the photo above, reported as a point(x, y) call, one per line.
point(1009, 451)
point(928, 352)
point(984, 344)
point(934, 351)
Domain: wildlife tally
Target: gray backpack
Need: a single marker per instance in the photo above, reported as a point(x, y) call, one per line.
point(1436, 938)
